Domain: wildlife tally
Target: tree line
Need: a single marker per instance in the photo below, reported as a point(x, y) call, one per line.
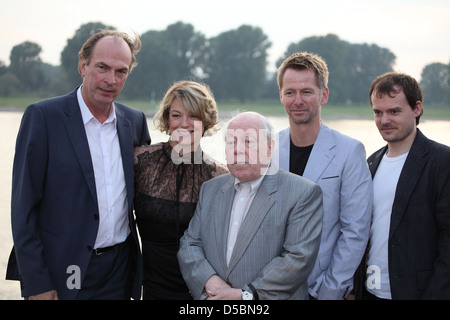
point(233, 64)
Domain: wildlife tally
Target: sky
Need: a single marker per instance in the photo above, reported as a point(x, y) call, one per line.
point(416, 31)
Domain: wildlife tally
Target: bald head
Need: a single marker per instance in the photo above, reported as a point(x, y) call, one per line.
point(248, 146)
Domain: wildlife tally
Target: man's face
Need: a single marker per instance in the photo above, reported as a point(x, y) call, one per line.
point(246, 148)
point(394, 117)
point(301, 96)
point(106, 73)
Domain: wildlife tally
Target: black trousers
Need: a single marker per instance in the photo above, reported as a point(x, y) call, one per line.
point(108, 275)
point(369, 296)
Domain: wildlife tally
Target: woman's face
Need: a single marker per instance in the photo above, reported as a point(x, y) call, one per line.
point(186, 130)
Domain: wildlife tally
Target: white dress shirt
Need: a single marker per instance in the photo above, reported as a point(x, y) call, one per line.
point(109, 176)
point(245, 193)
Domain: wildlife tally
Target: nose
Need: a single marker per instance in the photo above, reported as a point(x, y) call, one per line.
point(298, 99)
point(385, 118)
point(239, 147)
point(185, 122)
point(110, 78)
point(239, 151)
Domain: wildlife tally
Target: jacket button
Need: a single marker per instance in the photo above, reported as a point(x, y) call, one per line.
point(89, 248)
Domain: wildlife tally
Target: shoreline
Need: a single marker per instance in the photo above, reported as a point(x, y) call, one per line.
point(228, 114)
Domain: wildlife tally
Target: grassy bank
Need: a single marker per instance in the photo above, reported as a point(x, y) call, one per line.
point(266, 107)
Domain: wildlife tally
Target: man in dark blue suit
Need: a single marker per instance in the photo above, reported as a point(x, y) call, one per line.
point(72, 188)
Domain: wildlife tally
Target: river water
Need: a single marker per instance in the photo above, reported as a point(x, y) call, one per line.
point(363, 130)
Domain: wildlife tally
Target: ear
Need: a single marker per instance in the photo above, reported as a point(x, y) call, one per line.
point(418, 109)
point(272, 147)
point(82, 67)
point(324, 98)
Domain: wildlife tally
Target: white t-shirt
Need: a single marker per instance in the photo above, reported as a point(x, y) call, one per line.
point(384, 187)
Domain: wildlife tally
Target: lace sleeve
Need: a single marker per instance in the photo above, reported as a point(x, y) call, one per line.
point(218, 168)
point(142, 149)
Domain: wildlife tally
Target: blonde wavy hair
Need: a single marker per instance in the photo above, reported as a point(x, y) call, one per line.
point(198, 101)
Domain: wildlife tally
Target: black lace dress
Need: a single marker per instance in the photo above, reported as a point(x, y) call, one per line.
point(166, 195)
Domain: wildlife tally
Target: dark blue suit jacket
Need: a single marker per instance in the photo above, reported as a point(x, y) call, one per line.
point(419, 235)
point(54, 211)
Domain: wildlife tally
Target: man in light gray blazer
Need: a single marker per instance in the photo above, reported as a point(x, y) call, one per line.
point(256, 245)
point(337, 163)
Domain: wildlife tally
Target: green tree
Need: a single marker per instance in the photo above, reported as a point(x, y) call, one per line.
point(56, 83)
point(435, 83)
point(166, 56)
point(150, 78)
point(69, 55)
point(9, 84)
point(3, 68)
point(365, 62)
point(188, 49)
point(26, 65)
point(236, 63)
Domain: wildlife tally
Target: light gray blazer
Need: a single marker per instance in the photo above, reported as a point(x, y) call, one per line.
point(277, 243)
point(337, 163)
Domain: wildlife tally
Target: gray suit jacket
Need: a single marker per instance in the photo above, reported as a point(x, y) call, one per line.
point(337, 163)
point(277, 243)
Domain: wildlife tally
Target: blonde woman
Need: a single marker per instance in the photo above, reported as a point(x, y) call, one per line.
point(168, 178)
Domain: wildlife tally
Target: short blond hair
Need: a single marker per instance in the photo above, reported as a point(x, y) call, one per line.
point(198, 101)
point(305, 60)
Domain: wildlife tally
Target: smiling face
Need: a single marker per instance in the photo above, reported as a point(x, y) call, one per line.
point(186, 129)
point(105, 74)
point(394, 117)
point(301, 96)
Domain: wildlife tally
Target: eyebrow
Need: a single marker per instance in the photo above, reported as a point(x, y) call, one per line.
point(101, 63)
point(295, 89)
point(388, 109)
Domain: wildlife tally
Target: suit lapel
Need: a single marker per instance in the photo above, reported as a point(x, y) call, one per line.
point(223, 218)
point(410, 175)
point(321, 154)
point(374, 161)
point(283, 148)
point(261, 205)
point(415, 162)
point(124, 132)
point(78, 139)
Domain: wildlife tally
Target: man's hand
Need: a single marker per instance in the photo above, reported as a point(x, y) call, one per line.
point(225, 294)
point(49, 295)
point(215, 282)
point(218, 289)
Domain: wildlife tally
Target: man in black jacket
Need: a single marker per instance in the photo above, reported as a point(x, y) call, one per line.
point(408, 256)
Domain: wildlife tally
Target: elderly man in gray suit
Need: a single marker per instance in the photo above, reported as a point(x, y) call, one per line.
point(251, 237)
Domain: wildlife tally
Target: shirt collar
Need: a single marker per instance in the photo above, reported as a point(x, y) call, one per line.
point(87, 115)
point(254, 185)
